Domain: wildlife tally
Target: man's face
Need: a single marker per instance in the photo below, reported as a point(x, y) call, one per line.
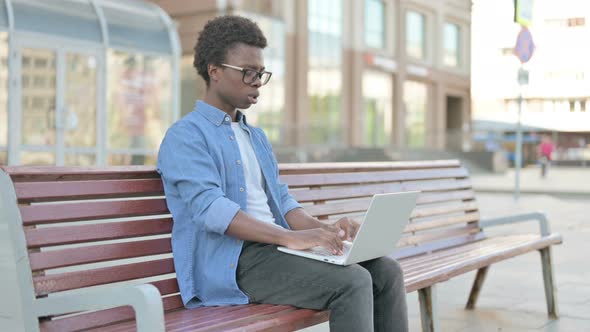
point(230, 86)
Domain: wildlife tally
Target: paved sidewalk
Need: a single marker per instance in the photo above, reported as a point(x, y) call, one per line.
point(513, 298)
point(560, 181)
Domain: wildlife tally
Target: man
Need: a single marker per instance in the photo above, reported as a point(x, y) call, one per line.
point(545, 150)
point(230, 211)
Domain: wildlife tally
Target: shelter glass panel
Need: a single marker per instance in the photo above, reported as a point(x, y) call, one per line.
point(3, 97)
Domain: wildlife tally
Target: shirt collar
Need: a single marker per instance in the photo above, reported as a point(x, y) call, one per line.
point(217, 116)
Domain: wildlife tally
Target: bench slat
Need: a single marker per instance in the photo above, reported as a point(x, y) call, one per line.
point(67, 190)
point(331, 167)
point(283, 321)
point(98, 320)
point(371, 189)
point(444, 196)
point(79, 211)
point(98, 253)
point(328, 179)
point(51, 236)
point(71, 280)
point(434, 276)
point(437, 235)
point(52, 173)
point(449, 257)
point(361, 205)
point(426, 248)
point(417, 225)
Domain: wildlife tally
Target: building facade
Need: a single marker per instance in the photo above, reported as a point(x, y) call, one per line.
point(350, 73)
point(556, 99)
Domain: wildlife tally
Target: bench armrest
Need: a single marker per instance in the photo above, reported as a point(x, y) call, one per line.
point(145, 300)
point(540, 217)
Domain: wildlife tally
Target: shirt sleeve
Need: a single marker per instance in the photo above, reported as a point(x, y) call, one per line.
point(187, 168)
point(288, 203)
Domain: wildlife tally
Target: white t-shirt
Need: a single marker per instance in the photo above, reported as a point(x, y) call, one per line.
point(257, 201)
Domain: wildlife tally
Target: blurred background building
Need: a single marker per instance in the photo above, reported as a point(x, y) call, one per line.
point(557, 96)
point(97, 82)
point(86, 82)
point(352, 79)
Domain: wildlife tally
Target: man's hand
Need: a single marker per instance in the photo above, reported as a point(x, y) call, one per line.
point(347, 228)
point(326, 237)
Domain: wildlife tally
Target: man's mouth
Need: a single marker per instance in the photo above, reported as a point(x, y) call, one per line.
point(253, 99)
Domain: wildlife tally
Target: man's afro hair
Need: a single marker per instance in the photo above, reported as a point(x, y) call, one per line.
point(221, 34)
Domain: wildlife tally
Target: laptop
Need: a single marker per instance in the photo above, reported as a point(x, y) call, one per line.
point(381, 229)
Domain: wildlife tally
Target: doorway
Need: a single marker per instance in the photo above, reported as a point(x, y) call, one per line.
point(58, 99)
point(454, 123)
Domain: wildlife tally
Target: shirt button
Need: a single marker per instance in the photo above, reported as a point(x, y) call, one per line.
point(239, 162)
point(227, 119)
point(241, 189)
point(231, 266)
point(231, 138)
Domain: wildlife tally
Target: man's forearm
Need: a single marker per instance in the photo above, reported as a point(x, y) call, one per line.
point(299, 219)
point(246, 227)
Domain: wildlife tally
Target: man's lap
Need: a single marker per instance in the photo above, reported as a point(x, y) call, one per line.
point(267, 275)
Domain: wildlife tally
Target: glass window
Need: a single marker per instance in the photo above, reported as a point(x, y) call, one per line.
point(416, 35)
point(3, 14)
point(268, 112)
point(136, 28)
point(68, 18)
point(139, 106)
point(415, 101)
point(375, 23)
point(452, 45)
point(325, 74)
point(377, 118)
point(38, 117)
point(80, 89)
point(3, 97)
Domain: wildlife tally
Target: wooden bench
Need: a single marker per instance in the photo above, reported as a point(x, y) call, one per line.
point(92, 245)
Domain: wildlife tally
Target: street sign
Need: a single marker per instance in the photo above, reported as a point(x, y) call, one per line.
point(524, 47)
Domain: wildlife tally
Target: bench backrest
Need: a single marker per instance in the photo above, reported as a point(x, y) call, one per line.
point(87, 227)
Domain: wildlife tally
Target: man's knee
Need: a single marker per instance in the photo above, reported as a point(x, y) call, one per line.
point(357, 280)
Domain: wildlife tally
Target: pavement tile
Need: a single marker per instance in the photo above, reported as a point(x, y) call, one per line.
point(565, 324)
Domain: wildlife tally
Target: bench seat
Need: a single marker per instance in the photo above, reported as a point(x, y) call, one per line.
point(90, 231)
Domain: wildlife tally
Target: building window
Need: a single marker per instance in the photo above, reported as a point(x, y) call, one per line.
point(416, 103)
point(377, 120)
point(416, 35)
point(140, 107)
point(268, 112)
point(375, 24)
point(3, 98)
point(325, 72)
point(452, 45)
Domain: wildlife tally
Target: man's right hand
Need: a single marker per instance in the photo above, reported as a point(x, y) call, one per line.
point(327, 237)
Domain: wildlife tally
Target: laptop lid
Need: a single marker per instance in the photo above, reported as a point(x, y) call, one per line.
point(382, 227)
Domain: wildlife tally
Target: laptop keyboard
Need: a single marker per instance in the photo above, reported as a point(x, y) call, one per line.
point(327, 253)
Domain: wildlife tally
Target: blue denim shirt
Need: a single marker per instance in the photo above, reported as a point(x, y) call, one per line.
point(205, 188)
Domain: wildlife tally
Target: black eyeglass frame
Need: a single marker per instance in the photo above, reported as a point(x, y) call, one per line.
point(245, 72)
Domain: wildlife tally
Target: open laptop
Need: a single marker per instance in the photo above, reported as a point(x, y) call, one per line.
point(381, 229)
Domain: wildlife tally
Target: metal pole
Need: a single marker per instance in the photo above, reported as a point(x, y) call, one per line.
point(518, 149)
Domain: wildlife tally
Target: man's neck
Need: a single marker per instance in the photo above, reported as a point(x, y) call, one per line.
point(215, 101)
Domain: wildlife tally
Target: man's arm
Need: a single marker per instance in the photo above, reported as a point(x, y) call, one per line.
point(246, 227)
point(299, 219)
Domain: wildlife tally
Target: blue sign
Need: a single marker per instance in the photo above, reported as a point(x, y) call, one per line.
point(524, 45)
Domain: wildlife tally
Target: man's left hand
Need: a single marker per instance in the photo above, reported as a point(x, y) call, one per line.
point(348, 228)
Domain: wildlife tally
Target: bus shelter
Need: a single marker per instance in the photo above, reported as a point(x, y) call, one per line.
point(86, 82)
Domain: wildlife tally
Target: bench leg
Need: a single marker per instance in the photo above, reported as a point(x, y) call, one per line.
point(549, 280)
point(477, 284)
point(428, 309)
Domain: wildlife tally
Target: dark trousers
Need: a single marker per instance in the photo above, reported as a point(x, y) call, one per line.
point(368, 296)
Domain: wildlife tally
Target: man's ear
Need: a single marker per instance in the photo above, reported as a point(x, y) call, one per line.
point(214, 72)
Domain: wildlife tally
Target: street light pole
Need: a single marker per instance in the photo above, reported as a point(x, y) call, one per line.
point(518, 149)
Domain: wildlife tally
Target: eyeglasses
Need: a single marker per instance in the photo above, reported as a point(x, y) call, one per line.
point(250, 75)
